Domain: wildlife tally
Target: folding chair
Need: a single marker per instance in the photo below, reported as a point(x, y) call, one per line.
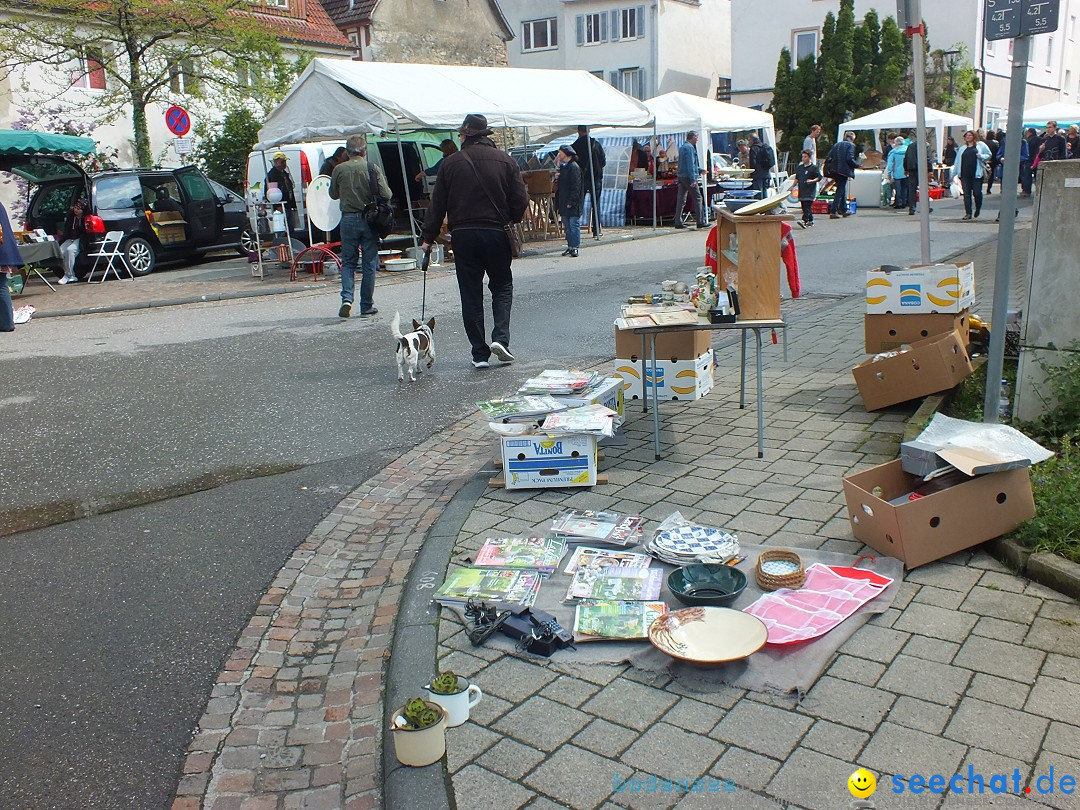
point(113, 239)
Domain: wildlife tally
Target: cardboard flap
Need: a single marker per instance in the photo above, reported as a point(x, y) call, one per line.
point(979, 462)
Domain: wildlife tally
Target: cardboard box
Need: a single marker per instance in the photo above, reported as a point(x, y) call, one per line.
point(931, 365)
point(937, 525)
point(169, 226)
point(544, 462)
point(921, 289)
point(887, 332)
point(608, 393)
point(672, 346)
point(684, 380)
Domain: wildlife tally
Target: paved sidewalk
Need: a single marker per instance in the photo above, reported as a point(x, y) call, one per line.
point(971, 666)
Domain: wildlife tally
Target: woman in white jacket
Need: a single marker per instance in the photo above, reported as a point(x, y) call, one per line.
point(972, 159)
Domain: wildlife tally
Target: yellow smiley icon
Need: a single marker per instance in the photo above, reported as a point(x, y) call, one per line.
point(862, 784)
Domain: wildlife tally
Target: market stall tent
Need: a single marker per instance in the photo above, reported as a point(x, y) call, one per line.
point(336, 98)
point(902, 116)
point(29, 142)
point(1060, 111)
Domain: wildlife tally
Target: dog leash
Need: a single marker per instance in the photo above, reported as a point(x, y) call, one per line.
point(423, 272)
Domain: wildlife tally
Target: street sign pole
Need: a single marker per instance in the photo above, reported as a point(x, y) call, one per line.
point(918, 55)
point(995, 362)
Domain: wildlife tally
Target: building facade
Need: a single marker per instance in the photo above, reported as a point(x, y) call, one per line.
point(642, 49)
point(77, 90)
point(1053, 73)
point(440, 32)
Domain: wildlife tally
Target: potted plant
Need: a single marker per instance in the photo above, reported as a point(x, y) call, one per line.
point(455, 694)
point(419, 733)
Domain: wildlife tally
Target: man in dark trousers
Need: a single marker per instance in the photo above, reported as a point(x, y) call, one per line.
point(844, 166)
point(761, 161)
point(480, 192)
point(592, 160)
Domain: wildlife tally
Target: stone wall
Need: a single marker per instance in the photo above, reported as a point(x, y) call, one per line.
point(441, 32)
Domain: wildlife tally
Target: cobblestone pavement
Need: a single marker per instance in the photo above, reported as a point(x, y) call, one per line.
point(972, 666)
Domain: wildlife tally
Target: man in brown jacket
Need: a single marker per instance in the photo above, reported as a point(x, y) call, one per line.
point(480, 191)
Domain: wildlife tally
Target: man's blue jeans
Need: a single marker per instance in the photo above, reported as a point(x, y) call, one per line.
point(572, 226)
point(358, 241)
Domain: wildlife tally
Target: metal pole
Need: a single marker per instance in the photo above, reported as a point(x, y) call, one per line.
point(405, 180)
point(995, 361)
point(919, 59)
point(655, 152)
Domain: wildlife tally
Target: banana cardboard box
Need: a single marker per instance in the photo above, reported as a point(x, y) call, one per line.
point(682, 380)
point(543, 462)
point(921, 289)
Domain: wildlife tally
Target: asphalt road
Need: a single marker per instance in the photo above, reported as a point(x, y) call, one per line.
point(116, 625)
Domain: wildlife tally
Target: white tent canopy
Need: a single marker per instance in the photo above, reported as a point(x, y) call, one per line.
point(1060, 111)
point(335, 98)
point(682, 112)
point(902, 116)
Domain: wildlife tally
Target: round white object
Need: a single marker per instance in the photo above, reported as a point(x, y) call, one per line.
point(324, 212)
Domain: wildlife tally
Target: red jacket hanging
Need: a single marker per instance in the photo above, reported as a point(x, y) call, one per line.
point(787, 253)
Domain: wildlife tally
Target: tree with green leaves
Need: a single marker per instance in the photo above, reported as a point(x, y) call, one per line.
point(141, 51)
point(224, 147)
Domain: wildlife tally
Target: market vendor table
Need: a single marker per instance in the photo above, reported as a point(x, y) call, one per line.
point(639, 203)
point(35, 253)
point(648, 336)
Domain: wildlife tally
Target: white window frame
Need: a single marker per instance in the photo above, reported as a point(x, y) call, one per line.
point(990, 46)
point(1068, 81)
point(79, 70)
point(795, 34)
point(1072, 27)
point(181, 76)
point(282, 4)
point(594, 28)
point(992, 117)
point(1049, 54)
point(354, 38)
point(528, 34)
point(633, 75)
point(628, 23)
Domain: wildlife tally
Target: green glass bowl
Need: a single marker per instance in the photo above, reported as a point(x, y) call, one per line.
point(706, 584)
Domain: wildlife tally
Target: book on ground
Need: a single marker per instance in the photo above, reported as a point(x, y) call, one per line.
point(541, 553)
point(606, 527)
point(585, 557)
point(519, 409)
point(599, 620)
point(629, 584)
point(514, 585)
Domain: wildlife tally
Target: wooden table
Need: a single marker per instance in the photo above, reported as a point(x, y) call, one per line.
point(648, 336)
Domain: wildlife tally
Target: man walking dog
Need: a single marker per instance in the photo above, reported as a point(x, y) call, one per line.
point(481, 193)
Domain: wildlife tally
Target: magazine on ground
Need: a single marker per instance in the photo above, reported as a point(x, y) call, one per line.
point(604, 527)
point(601, 620)
point(585, 557)
point(541, 553)
point(629, 584)
point(596, 420)
point(514, 585)
point(519, 409)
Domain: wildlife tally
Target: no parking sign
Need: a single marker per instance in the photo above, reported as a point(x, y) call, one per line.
point(178, 121)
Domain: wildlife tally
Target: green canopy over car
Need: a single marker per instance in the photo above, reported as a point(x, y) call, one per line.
point(28, 142)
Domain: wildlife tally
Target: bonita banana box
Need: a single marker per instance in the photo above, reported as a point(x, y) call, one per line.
point(921, 289)
point(682, 380)
point(546, 462)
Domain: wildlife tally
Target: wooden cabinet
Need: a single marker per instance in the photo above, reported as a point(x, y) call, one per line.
point(753, 265)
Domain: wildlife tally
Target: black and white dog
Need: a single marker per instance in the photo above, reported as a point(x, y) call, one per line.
point(415, 349)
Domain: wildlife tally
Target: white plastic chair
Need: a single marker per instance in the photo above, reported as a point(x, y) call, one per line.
point(110, 249)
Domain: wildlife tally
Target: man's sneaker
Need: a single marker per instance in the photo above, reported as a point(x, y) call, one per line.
point(346, 310)
point(501, 352)
point(481, 364)
point(369, 313)
point(802, 224)
point(64, 280)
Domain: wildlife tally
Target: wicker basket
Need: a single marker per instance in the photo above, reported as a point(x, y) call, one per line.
point(771, 582)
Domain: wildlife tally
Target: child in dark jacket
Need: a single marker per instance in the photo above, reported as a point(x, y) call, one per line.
point(808, 176)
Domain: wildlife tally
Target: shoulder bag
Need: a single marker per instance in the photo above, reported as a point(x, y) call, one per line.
point(512, 233)
point(378, 213)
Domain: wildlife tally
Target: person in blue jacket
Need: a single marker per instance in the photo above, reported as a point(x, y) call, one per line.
point(894, 171)
point(10, 260)
point(971, 167)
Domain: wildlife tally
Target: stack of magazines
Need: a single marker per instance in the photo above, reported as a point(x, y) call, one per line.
point(599, 527)
point(512, 585)
point(519, 409)
point(541, 553)
point(611, 620)
point(594, 420)
point(615, 583)
point(558, 383)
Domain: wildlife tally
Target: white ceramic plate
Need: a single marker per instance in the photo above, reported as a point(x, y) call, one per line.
point(708, 635)
point(324, 212)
